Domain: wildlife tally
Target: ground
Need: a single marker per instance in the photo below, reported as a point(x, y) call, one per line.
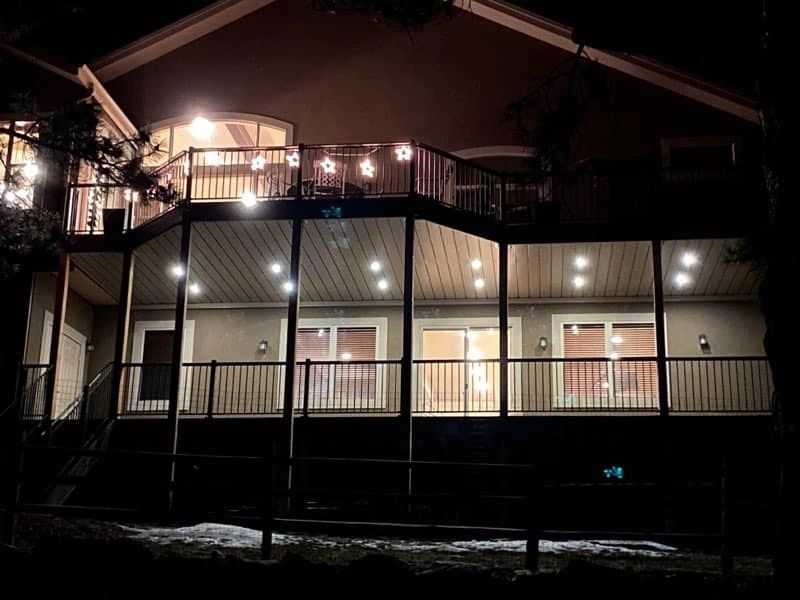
point(201, 557)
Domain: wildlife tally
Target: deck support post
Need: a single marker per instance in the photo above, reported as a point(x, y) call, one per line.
point(59, 315)
point(407, 363)
point(176, 365)
point(123, 326)
point(292, 318)
point(503, 318)
point(661, 334)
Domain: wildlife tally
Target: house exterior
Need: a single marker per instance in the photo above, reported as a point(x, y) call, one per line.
point(346, 237)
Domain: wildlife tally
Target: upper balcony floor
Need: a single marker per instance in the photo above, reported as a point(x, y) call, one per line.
point(596, 201)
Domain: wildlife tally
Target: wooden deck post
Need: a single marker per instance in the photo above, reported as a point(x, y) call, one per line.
point(661, 335)
point(407, 364)
point(59, 314)
point(181, 299)
point(503, 318)
point(123, 326)
point(291, 350)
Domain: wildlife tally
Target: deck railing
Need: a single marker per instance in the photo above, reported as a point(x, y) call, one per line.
point(697, 385)
point(251, 175)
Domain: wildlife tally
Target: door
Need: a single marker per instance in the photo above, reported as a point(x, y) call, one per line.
point(155, 369)
point(459, 372)
point(70, 368)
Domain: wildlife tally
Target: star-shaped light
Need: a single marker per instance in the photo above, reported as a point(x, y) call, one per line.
point(258, 163)
point(328, 166)
point(293, 159)
point(403, 153)
point(367, 168)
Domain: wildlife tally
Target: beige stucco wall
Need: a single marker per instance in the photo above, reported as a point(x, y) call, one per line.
point(344, 78)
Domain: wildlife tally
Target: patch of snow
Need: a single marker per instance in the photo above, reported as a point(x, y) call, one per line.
point(216, 535)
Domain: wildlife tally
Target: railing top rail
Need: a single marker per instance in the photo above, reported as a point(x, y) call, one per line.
point(713, 358)
point(243, 148)
point(459, 361)
point(353, 362)
point(171, 162)
point(459, 159)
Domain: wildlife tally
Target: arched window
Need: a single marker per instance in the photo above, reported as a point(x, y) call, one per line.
point(217, 130)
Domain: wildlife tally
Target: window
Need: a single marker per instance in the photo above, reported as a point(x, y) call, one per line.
point(343, 374)
point(600, 368)
point(226, 131)
point(18, 167)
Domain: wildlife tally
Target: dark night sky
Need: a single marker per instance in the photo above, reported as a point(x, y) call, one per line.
point(717, 39)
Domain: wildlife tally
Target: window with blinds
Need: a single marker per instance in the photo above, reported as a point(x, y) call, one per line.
point(612, 380)
point(346, 379)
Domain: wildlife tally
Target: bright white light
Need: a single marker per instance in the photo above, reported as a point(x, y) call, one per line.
point(403, 153)
point(30, 170)
point(581, 262)
point(575, 330)
point(367, 168)
point(383, 284)
point(249, 199)
point(213, 159)
point(178, 270)
point(201, 128)
point(328, 166)
point(275, 268)
point(346, 356)
point(578, 281)
point(682, 280)
point(614, 356)
point(604, 385)
point(374, 266)
point(288, 286)
point(194, 289)
point(258, 163)
point(479, 284)
point(320, 332)
point(616, 339)
point(293, 159)
point(476, 264)
point(689, 259)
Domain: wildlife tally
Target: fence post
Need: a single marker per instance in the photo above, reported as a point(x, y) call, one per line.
point(412, 168)
point(212, 382)
point(306, 382)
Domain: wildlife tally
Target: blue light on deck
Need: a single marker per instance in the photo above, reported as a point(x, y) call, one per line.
point(614, 472)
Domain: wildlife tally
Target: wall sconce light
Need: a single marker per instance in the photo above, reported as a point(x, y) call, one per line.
point(263, 346)
point(543, 343)
point(704, 344)
point(89, 347)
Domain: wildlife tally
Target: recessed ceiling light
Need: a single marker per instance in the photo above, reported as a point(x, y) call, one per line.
point(479, 283)
point(476, 264)
point(383, 284)
point(288, 286)
point(275, 267)
point(374, 266)
point(581, 262)
point(689, 259)
point(249, 199)
point(194, 289)
point(201, 128)
point(578, 281)
point(178, 270)
point(682, 280)
point(616, 339)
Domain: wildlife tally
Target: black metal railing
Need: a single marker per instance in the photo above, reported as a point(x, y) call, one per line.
point(454, 387)
point(583, 195)
point(32, 389)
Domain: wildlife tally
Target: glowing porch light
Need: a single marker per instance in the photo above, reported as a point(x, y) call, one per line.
point(288, 286)
point(689, 259)
point(581, 262)
point(479, 284)
point(403, 153)
point(367, 168)
point(249, 199)
point(328, 166)
point(201, 128)
point(476, 264)
point(375, 266)
point(258, 163)
point(178, 270)
point(276, 268)
point(30, 170)
point(383, 285)
point(194, 289)
point(293, 159)
point(578, 281)
point(682, 280)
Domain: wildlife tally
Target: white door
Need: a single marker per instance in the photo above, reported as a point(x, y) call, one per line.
point(70, 368)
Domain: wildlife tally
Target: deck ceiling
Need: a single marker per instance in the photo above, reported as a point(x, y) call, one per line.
point(231, 263)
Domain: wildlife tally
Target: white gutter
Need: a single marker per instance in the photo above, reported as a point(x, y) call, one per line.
point(106, 102)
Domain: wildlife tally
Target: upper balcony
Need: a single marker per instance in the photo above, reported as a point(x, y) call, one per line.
point(613, 202)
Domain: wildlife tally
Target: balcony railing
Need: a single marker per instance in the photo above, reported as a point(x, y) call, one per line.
point(697, 385)
point(372, 171)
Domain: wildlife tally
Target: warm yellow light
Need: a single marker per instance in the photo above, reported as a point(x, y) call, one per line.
point(201, 128)
point(249, 199)
point(30, 170)
point(682, 280)
point(293, 159)
point(383, 285)
point(476, 264)
point(367, 168)
point(194, 289)
point(403, 153)
point(479, 284)
point(258, 163)
point(328, 166)
point(581, 262)
point(578, 281)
